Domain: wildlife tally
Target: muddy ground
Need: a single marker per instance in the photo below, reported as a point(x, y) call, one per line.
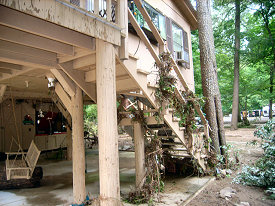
point(247, 154)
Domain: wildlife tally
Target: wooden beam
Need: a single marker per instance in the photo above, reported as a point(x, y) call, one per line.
point(6, 71)
point(84, 61)
point(65, 81)
point(6, 65)
point(77, 54)
point(24, 22)
point(28, 39)
point(78, 78)
point(63, 96)
point(26, 95)
point(3, 88)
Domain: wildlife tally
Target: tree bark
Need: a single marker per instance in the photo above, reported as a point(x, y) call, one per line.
point(235, 103)
point(210, 86)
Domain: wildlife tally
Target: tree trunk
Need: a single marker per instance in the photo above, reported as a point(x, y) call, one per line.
point(210, 86)
point(272, 68)
point(235, 105)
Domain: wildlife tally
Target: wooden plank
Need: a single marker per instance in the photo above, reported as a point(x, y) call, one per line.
point(84, 61)
point(65, 81)
point(28, 39)
point(77, 54)
point(63, 97)
point(123, 85)
point(78, 78)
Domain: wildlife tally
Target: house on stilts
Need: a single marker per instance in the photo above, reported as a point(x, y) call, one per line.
point(94, 52)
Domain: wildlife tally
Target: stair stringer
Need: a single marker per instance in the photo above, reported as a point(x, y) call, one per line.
point(130, 67)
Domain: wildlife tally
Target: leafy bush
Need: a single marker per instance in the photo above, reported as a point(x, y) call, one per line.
point(262, 173)
point(90, 119)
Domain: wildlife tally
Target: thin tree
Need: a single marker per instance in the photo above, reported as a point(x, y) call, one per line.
point(210, 86)
point(267, 12)
point(235, 103)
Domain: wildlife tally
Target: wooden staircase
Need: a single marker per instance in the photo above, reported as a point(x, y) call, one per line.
point(175, 143)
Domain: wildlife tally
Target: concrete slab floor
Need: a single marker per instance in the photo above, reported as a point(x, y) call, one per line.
point(56, 185)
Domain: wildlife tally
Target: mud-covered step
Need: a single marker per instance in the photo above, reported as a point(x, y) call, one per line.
point(171, 143)
point(177, 155)
point(167, 137)
point(166, 132)
point(177, 149)
point(157, 126)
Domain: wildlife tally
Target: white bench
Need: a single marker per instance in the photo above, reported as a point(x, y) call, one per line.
point(24, 167)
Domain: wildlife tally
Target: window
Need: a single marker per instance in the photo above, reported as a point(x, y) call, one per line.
point(157, 18)
point(180, 43)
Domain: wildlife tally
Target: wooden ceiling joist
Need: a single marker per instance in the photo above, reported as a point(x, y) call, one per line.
point(6, 71)
point(26, 60)
point(15, 73)
point(31, 40)
point(30, 24)
point(26, 95)
point(5, 65)
point(28, 51)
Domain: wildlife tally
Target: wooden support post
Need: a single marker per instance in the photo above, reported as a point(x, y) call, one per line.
point(69, 142)
point(78, 147)
point(107, 124)
point(122, 15)
point(3, 88)
point(139, 155)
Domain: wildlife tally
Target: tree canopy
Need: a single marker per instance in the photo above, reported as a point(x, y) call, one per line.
point(256, 53)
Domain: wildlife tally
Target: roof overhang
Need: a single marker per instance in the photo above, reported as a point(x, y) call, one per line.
point(188, 11)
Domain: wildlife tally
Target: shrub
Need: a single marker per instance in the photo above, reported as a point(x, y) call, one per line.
point(262, 173)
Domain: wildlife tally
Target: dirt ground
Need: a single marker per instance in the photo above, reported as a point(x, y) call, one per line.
point(247, 154)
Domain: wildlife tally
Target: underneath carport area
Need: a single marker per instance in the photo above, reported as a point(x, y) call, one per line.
point(57, 184)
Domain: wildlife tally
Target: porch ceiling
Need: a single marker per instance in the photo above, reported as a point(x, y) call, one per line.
point(28, 52)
